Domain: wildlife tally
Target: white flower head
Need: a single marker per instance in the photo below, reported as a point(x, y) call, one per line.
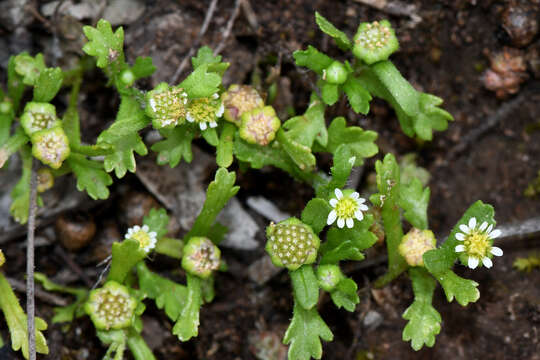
point(147, 239)
point(205, 111)
point(476, 243)
point(346, 207)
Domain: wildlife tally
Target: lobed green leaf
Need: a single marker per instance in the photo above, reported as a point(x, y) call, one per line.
point(345, 295)
point(414, 200)
point(305, 286)
point(90, 176)
point(328, 28)
point(48, 84)
point(104, 44)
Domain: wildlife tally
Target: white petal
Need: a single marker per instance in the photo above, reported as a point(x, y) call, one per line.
point(361, 200)
point(215, 96)
point(358, 215)
point(460, 236)
point(153, 104)
point(202, 126)
point(136, 228)
point(220, 110)
point(490, 227)
point(145, 228)
point(340, 222)
point(333, 202)
point(213, 124)
point(472, 223)
point(487, 262)
point(350, 223)
point(496, 251)
point(338, 193)
point(152, 235)
point(460, 248)
point(473, 262)
point(331, 217)
point(355, 195)
point(189, 117)
point(483, 226)
point(464, 228)
point(363, 207)
point(495, 233)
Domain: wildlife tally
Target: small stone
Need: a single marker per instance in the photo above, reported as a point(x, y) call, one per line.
point(74, 230)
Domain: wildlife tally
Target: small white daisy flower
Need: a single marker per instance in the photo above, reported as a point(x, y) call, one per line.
point(346, 207)
point(205, 111)
point(147, 239)
point(477, 243)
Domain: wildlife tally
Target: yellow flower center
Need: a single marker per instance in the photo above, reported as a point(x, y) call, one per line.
point(203, 110)
point(142, 237)
point(346, 207)
point(476, 244)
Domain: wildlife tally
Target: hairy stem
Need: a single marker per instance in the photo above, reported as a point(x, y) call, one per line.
point(30, 300)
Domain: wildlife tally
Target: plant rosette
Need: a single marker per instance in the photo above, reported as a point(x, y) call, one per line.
point(259, 126)
point(415, 244)
point(111, 307)
point(328, 276)
point(347, 206)
point(205, 111)
point(476, 244)
point(166, 106)
point(39, 116)
point(375, 41)
point(201, 257)
point(50, 146)
point(239, 99)
point(291, 244)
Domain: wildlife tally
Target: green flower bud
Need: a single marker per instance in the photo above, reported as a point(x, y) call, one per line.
point(415, 244)
point(291, 244)
point(336, 73)
point(329, 276)
point(45, 180)
point(39, 116)
point(166, 106)
point(259, 126)
point(238, 100)
point(51, 146)
point(375, 41)
point(111, 307)
point(201, 257)
point(127, 78)
point(205, 111)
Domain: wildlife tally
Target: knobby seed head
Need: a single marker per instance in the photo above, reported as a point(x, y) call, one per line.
point(329, 276)
point(166, 106)
point(375, 41)
point(51, 146)
point(201, 257)
point(39, 116)
point(111, 307)
point(146, 238)
point(291, 244)
point(476, 244)
point(259, 126)
point(347, 206)
point(45, 179)
point(414, 244)
point(335, 73)
point(205, 111)
point(238, 100)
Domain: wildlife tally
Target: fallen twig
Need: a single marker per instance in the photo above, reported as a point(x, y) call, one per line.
point(40, 294)
point(395, 7)
point(229, 27)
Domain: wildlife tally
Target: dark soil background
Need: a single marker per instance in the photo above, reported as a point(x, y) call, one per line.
point(482, 57)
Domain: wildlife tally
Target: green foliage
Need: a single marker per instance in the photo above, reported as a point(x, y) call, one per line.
point(305, 286)
point(357, 94)
point(424, 321)
point(15, 84)
point(300, 154)
point(125, 255)
point(107, 46)
point(527, 263)
point(205, 56)
point(465, 291)
point(357, 142)
point(312, 59)
point(327, 27)
point(177, 145)
point(224, 151)
point(315, 214)
point(48, 84)
point(414, 200)
point(202, 82)
point(345, 296)
point(304, 334)
point(20, 194)
point(310, 127)
point(17, 321)
point(143, 67)
point(187, 325)
point(90, 176)
point(157, 221)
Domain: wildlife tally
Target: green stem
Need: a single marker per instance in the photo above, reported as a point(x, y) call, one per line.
point(138, 347)
point(93, 150)
point(305, 286)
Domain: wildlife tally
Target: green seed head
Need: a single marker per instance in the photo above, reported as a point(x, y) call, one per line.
point(336, 73)
point(259, 126)
point(238, 100)
point(291, 244)
point(329, 276)
point(127, 78)
point(111, 307)
point(415, 244)
point(51, 146)
point(201, 257)
point(45, 180)
point(166, 106)
point(39, 116)
point(375, 41)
